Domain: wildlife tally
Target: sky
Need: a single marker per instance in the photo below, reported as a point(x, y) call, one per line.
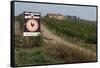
point(84, 12)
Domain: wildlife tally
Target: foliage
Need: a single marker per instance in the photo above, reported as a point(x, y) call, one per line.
point(38, 40)
point(30, 56)
point(50, 54)
point(72, 29)
point(92, 40)
point(22, 41)
point(67, 54)
point(36, 52)
point(20, 19)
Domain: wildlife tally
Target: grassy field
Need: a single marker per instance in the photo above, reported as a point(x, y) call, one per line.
point(50, 54)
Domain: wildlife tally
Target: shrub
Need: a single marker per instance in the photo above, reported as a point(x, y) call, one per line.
point(91, 40)
point(37, 41)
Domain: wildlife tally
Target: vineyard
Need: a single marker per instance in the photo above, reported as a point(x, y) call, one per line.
point(74, 30)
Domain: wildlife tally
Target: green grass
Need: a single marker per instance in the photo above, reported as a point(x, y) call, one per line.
point(50, 54)
point(21, 41)
point(29, 56)
point(33, 56)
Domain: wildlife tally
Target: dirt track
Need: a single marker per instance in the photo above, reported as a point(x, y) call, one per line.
point(50, 37)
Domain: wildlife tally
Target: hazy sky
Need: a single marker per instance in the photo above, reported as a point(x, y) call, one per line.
point(84, 12)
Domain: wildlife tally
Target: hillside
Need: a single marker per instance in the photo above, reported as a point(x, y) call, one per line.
point(54, 45)
point(78, 32)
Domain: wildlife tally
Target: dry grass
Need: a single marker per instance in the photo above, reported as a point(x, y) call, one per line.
point(68, 55)
point(50, 54)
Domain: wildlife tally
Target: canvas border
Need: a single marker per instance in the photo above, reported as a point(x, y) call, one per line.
point(12, 33)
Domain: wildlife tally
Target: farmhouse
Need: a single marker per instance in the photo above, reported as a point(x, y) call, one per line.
point(56, 16)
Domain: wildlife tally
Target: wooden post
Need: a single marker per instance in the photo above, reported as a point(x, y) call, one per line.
point(27, 40)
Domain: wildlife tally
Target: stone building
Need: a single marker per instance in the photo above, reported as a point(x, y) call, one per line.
point(56, 16)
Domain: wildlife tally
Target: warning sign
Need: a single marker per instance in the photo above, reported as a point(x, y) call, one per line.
point(31, 23)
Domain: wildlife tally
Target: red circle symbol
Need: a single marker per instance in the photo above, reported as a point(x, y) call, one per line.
point(32, 25)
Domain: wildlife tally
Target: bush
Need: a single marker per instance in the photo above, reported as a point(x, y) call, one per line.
point(27, 56)
point(20, 19)
point(37, 41)
point(91, 40)
point(21, 41)
point(31, 56)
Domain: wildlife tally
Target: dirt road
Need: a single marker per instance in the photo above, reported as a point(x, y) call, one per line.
point(50, 37)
